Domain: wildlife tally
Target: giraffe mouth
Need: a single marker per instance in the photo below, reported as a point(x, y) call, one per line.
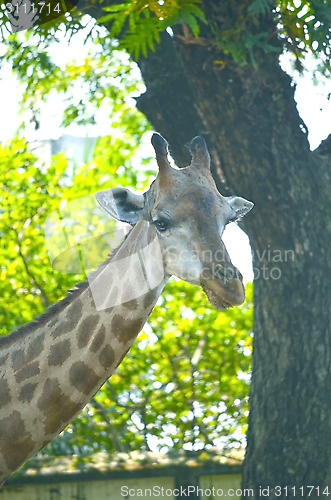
point(223, 293)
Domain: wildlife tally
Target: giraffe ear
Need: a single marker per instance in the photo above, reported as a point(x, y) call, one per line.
point(122, 204)
point(240, 206)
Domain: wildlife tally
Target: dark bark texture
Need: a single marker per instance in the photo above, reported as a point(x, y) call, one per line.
point(259, 150)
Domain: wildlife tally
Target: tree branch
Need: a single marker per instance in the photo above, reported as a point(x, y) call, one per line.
point(113, 431)
point(44, 299)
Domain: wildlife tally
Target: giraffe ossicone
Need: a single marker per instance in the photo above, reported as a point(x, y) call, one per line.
point(51, 367)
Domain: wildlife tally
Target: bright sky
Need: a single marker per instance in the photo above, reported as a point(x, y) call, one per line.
point(313, 101)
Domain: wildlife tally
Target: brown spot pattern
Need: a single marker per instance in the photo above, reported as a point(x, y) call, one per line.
point(131, 304)
point(3, 359)
point(125, 329)
point(17, 359)
point(98, 339)
point(107, 357)
point(149, 300)
point(28, 371)
point(73, 316)
point(83, 378)
point(5, 397)
point(57, 409)
point(22, 357)
point(27, 392)
point(86, 330)
point(59, 353)
point(16, 443)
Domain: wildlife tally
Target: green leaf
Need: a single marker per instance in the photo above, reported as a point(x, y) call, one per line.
point(258, 7)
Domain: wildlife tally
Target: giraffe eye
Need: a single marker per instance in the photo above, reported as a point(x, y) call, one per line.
point(161, 225)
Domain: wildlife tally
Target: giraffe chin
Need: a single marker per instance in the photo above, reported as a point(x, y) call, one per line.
point(224, 295)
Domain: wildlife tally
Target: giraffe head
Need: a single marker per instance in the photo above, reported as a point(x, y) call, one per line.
point(188, 214)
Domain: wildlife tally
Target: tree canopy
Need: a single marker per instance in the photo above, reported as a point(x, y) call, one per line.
point(135, 25)
point(302, 26)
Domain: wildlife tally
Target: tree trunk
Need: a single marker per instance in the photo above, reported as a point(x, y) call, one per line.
point(259, 150)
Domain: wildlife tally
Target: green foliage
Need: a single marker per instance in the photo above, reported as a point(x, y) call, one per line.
point(26, 196)
point(240, 29)
point(142, 32)
point(138, 23)
point(243, 29)
point(306, 26)
point(258, 7)
point(105, 75)
point(303, 26)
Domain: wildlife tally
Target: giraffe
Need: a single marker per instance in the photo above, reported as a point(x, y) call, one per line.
point(51, 367)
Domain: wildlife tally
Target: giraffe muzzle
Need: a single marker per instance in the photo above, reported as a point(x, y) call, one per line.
point(224, 288)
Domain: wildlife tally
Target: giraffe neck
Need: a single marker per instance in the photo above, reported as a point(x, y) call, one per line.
point(51, 368)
